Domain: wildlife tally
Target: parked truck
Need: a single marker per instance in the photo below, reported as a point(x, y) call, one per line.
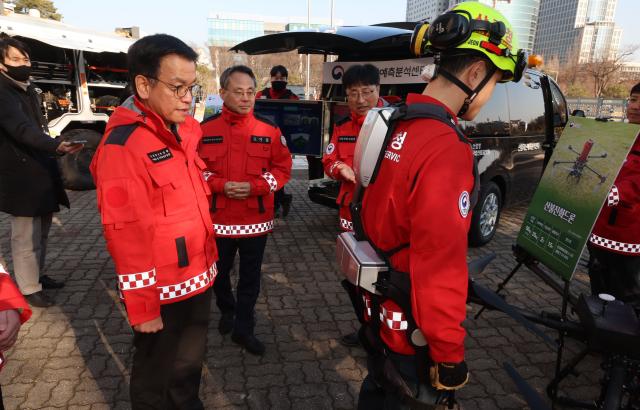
point(81, 76)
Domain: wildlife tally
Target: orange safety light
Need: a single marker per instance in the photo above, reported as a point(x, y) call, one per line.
point(535, 60)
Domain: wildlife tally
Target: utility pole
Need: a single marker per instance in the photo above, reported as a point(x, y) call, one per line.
point(307, 89)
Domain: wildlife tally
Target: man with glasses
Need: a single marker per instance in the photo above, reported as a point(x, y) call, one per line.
point(152, 198)
point(362, 86)
point(247, 161)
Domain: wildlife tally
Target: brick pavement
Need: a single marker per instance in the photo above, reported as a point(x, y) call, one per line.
point(77, 355)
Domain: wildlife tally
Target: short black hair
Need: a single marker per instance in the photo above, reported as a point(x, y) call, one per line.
point(365, 74)
point(456, 63)
point(143, 57)
point(279, 69)
point(635, 89)
point(224, 77)
point(6, 42)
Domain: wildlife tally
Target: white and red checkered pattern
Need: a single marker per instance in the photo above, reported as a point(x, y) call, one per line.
point(333, 166)
point(346, 224)
point(235, 230)
point(367, 305)
point(393, 320)
point(633, 248)
point(138, 280)
point(189, 286)
point(271, 180)
point(614, 196)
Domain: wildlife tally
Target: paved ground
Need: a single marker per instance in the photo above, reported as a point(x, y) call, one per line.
point(77, 355)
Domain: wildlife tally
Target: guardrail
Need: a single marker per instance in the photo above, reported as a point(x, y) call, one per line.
point(600, 107)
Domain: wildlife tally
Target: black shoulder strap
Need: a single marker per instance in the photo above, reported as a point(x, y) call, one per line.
point(266, 92)
point(410, 112)
point(286, 95)
point(119, 135)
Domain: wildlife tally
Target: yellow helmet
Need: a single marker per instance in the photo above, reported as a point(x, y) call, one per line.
point(475, 27)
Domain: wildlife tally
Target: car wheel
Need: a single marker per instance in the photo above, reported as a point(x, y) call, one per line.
point(486, 215)
point(75, 167)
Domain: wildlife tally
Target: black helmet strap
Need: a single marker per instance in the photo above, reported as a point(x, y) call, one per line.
point(471, 94)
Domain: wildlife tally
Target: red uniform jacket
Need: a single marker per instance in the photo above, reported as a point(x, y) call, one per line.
point(12, 299)
point(152, 198)
point(244, 148)
point(270, 93)
point(421, 199)
point(340, 151)
point(617, 228)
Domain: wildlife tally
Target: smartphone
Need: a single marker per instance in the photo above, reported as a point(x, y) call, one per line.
point(78, 142)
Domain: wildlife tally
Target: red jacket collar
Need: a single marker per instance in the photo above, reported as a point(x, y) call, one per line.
point(425, 99)
point(234, 117)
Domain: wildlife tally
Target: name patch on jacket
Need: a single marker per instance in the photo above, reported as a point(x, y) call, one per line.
point(347, 139)
point(212, 140)
point(261, 140)
point(161, 155)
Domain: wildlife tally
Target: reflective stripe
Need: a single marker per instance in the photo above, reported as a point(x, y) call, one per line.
point(271, 180)
point(344, 224)
point(138, 280)
point(226, 230)
point(2, 270)
point(189, 286)
point(393, 320)
point(614, 245)
point(614, 196)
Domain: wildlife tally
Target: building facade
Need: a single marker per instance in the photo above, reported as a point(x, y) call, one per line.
point(420, 10)
point(577, 31)
point(522, 14)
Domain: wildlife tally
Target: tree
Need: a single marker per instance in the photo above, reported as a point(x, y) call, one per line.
point(45, 7)
point(577, 90)
point(616, 91)
point(605, 71)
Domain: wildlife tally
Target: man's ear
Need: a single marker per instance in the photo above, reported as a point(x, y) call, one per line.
point(143, 86)
point(474, 74)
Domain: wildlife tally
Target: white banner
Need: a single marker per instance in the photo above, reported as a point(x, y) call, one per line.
point(391, 72)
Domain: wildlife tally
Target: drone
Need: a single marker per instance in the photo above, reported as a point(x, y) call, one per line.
point(580, 164)
point(605, 326)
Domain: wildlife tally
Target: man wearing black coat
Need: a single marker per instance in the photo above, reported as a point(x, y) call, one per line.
point(30, 184)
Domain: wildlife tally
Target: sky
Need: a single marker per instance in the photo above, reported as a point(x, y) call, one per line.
point(187, 19)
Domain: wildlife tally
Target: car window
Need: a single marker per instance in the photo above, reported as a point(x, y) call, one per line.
point(493, 118)
point(526, 106)
point(559, 105)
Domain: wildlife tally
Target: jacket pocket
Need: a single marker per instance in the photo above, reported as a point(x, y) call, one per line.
point(173, 182)
point(258, 158)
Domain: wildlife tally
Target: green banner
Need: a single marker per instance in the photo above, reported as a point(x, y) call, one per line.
point(572, 190)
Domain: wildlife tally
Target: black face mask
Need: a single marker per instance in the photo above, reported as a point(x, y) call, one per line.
point(278, 85)
point(20, 73)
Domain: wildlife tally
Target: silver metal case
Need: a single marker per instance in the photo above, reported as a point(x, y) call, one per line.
point(359, 262)
point(370, 141)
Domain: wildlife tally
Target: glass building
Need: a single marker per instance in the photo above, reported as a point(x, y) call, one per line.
point(522, 14)
point(579, 31)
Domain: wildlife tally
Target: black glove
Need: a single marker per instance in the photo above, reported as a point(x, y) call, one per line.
point(449, 376)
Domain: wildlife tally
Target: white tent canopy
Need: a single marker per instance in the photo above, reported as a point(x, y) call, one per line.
point(63, 35)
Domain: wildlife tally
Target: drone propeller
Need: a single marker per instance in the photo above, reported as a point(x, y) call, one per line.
point(533, 399)
point(493, 300)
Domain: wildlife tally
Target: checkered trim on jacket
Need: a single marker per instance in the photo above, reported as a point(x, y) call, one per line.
point(271, 180)
point(241, 230)
point(189, 286)
point(131, 281)
point(345, 224)
point(615, 245)
point(614, 196)
point(393, 320)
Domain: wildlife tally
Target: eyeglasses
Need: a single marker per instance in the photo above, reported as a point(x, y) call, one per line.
point(179, 90)
point(365, 93)
point(240, 94)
